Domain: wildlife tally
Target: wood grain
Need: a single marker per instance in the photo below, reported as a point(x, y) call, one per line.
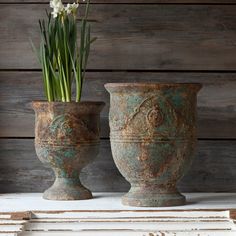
point(133, 36)
point(21, 171)
point(216, 101)
point(159, 37)
point(134, 1)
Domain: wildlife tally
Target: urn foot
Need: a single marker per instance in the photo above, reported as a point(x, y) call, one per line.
point(140, 198)
point(67, 189)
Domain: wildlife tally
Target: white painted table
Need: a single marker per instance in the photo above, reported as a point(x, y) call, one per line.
point(30, 215)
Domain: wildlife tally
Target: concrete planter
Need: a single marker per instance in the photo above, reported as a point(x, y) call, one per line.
point(66, 140)
point(153, 136)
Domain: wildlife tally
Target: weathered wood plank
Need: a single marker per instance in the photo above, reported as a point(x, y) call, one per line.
point(164, 37)
point(134, 1)
point(105, 215)
point(216, 102)
point(118, 219)
point(132, 225)
point(21, 171)
point(107, 205)
point(133, 233)
point(201, 212)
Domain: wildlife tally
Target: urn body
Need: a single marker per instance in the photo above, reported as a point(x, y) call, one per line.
point(153, 137)
point(66, 140)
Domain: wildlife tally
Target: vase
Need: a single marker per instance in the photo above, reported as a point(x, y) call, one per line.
point(153, 137)
point(66, 140)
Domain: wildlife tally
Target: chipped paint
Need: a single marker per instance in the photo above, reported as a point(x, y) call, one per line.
point(104, 216)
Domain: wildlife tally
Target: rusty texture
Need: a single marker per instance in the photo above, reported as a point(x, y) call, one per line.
point(153, 136)
point(66, 140)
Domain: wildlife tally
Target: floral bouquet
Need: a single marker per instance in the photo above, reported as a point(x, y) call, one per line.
point(61, 58)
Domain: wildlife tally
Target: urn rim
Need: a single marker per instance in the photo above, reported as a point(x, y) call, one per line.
point(94, 106)
point(150, 85)
point(67, 103)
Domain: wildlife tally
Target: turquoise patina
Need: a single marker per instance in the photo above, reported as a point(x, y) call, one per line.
point(153, 136)
point(66, 140)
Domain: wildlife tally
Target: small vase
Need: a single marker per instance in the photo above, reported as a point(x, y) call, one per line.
point(153, 136)
point(66, 140)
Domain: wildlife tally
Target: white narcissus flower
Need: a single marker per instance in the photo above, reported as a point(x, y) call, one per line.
point(71, 8)
point(54, 14)
point(57, 6)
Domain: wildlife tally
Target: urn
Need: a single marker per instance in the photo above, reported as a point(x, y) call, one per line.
point(66, 140)
point(153, 137)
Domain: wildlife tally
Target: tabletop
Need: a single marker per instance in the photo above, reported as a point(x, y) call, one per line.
point(27, 214)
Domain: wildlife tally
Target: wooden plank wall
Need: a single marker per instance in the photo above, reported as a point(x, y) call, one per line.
point(138, 40)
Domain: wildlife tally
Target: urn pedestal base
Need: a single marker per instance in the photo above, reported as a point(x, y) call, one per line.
point(141, 198)
point(67, 189)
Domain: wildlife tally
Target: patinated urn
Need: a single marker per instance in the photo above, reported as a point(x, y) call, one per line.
point(66, 140)
point(153, 136)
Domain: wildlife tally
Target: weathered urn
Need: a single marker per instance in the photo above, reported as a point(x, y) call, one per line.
point(153, 136)
point(66, 140)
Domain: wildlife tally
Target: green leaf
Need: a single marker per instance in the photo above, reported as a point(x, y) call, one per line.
point(62, 59)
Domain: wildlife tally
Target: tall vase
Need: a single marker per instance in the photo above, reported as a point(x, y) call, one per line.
point(153, 137)
point(66, 140)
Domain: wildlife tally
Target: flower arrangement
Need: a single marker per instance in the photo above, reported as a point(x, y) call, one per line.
point(62, 59)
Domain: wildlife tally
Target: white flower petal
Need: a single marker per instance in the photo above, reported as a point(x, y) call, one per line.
point(54, 14)
point(57, 6)
point(71, 8)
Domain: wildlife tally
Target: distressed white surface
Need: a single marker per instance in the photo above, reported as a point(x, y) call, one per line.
point(3, 222)
point(11, 228)
point(109, 201)
point(172, 217)
point(205, 214)
point(5, 216)
point(132, 233)
point(8, 234)
point(169, 226)
point(128, 214)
